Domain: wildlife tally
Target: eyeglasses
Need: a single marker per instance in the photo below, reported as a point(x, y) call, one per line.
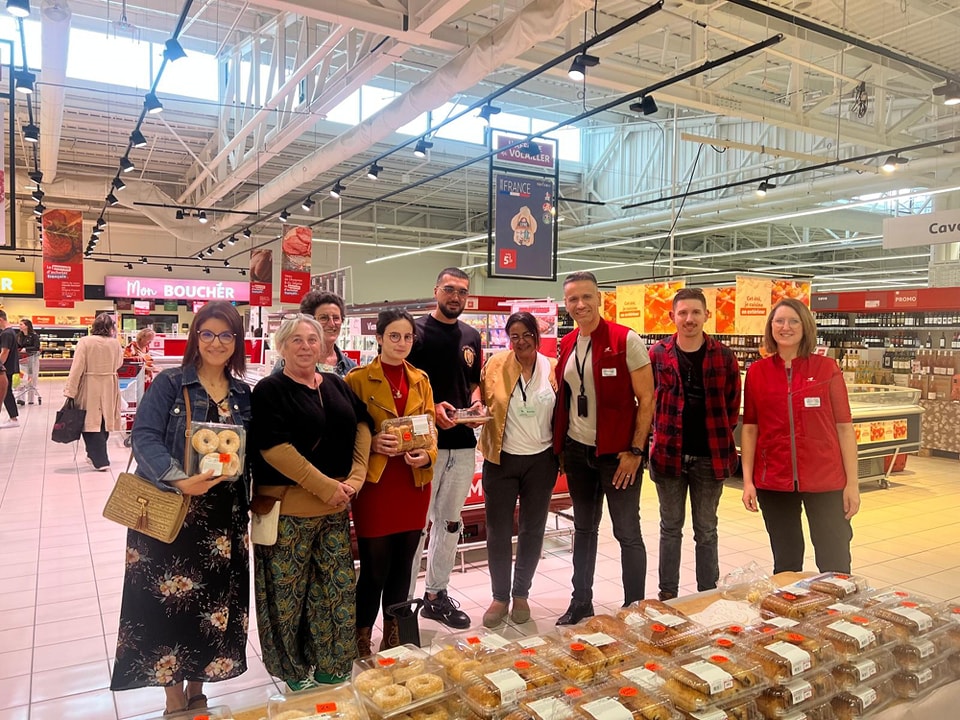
point(329, 318)
point(207, 336)
point(792, 322)
point(451, 290)
point(397, 337)
point(518, 338)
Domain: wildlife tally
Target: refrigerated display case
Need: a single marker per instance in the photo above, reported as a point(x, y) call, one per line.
point(887, 422)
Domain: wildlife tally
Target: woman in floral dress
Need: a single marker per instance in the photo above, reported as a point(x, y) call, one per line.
point(183, 620)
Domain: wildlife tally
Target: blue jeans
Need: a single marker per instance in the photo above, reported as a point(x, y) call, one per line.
point(590, 479)
point(696, 475)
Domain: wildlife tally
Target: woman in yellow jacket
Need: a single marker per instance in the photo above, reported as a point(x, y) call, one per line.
point(518, 387)
point(391, 511)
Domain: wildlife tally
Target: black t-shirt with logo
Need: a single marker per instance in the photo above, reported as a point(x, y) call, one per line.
point(8, 340)
point(451, 355)
point(694, 402)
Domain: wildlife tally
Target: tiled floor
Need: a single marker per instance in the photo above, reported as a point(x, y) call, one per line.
point(61, 567)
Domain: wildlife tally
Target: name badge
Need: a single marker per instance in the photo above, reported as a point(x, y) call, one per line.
point(811, 402)
point(608, 372)
point(527, 411)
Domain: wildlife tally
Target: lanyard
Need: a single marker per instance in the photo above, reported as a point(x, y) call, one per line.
point(523, 390)
point(580, 368)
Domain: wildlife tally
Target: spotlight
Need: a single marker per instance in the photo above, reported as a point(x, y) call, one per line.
point(209, 251)
point(531, 147)
point(19, 8)
point(172, 50)
point(891, 163)
point(93, 238)
point(220, 246)
point(101, 223)
point(96, 231)
point(37, 195)
point(337, 190)
point(646, 105)
point(949, 90)
point(36, 176)
point(202, 217)
point(247, 233)
point(763, 187)
point(578, 69)
point(232, 240)
point(226, 263)
point(31, 133)
point(374, 172)
point(21, 259)
point(118, 184)
point(137, 139)
point(152, 103)
point(422, 146)
point(487, 111)
point(168, 268)
point(24, 80)
point(179, 215)
point(206, 270)
point(128, 266)
point(126, 165)
point(243, 272)
point(143, 261)
point(308, 203)
point(111, 199)
point(284, 215)
point(39, 209)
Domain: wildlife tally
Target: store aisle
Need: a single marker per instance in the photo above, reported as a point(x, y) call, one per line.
point(61, 566)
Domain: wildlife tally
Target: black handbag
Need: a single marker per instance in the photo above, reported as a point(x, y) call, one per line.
point(69, 423)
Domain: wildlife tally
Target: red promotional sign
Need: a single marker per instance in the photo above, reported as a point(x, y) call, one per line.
point(297, 248)
point(44, 320)
point(62, 257)
point(261, 277)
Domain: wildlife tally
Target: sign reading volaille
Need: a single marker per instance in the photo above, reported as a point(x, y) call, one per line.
point(172, 289)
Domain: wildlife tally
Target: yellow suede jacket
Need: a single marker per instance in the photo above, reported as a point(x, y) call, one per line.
point(497, 381)
point(371, 386)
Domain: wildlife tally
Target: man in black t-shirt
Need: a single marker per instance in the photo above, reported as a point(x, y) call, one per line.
point(10, 362)
point(449, 351)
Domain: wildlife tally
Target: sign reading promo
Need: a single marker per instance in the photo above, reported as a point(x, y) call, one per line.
point(934, 228)
point(144, 288)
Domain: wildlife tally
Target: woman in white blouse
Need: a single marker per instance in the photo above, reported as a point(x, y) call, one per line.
point(519, 389)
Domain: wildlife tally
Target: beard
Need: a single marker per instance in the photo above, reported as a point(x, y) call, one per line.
point(448, 313)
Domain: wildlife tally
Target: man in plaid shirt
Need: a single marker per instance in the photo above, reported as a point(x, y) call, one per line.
point(697, 383)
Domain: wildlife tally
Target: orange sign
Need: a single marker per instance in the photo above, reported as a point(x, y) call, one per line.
point(657, 304)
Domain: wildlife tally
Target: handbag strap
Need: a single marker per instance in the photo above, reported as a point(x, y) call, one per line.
point(188, 433)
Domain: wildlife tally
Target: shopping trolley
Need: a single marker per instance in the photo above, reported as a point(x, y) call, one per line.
point(24, 382)
point(130, 378)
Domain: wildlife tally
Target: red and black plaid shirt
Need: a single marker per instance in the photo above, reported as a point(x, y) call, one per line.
point(721, 384)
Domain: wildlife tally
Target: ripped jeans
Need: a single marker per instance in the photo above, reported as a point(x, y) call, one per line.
point(452, 477)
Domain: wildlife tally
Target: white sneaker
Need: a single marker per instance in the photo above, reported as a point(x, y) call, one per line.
point(10, 424)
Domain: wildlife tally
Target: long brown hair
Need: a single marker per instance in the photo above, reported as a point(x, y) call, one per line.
point(221, 310)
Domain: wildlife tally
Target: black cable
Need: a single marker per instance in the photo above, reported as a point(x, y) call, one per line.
point(676, 218)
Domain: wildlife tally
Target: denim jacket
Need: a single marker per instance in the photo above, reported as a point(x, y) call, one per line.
point(160, 427)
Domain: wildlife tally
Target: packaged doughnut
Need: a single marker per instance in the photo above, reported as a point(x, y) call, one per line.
point(469, 415)
point(851, 673)
point(476, 643)
point(619, 700)
point(413, 432)
point(217, 447)
point(909, 684)
point(696, 682)
point(217, 712)
point(838, 585)
point(398, 681)
point(334, 701)
point(863, 699)
point(794, 602)
point(917, 652)
point(777, 700)
point(853, 634)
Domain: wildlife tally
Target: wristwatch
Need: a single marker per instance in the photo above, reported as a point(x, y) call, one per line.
point(636, 451)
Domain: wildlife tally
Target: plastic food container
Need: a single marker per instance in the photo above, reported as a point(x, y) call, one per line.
point(665, 633)
point(794, 602)
point(336, 702)
point(651, 675)
point(467, 415)
point(909, 618)
point(785, 654)
point(917, 652)
point(777, 700)
point(413, 432)
point(696, 682)
point(217, 447)
point(838, 585)
point(909, 684)
point(549, 707)
point(450, 708)
point(813, 710)
point(598, 649)
point(851, 673)
point(863, 699)
point(503, 680)
point(217, 712)
point(475, 644)
point(627, 701)
point(396, 681)
point(854, 634)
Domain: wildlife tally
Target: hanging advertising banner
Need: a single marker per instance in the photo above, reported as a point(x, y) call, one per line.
point(62, 257)
point(297, 250)
point(793, 289)
point(608, 300)
point(540, 155)
point(657, 304)
point(725, 311)
point(3, 184)
point(710, 324)
point(753, 304)
point(261, 277)
point(524, 243)
point(629, 307)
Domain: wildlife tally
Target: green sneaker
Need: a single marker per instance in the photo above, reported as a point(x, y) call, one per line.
point(328, 679)
point(297, 685)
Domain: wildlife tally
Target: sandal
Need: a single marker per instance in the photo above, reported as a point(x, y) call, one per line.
point(197, 702)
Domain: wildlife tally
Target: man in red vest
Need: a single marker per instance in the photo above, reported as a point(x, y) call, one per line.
point(602, 418)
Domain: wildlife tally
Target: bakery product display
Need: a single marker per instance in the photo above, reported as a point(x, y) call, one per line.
point(696, 682)
point(337, 701)
point(851, 673)
point(412, 432)
point(794, 602)
point(777, 699)
point(865, 698)
point(402, 679)
point(622, 701)
point(839, 585)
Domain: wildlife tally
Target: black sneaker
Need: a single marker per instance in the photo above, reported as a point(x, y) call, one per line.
point(444, 609)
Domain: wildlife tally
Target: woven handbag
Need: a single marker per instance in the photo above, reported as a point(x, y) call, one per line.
point(140, 505)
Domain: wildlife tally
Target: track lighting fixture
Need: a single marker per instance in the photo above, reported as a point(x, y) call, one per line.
point(209, 251)
point(126, 165)
point(39, 221)
point(202, 217)
point(179, 215)
point(308, 203)
point(21, 259)
point(531, 148)
point(487, 111)
point(143, 261)
point(232, 240)
point(226, 263)
point(374, 172)
point(422, 146)
point(137, 139)
point(31, 133)
point(118, 184)
point(247, 233)
point(97, 230)
point(101, 223)
point(39, 209)
point(152, 103)
point(36, 176)
point(172, 50)
point(24, 80)
point(128, 266)
point(37, 195)
point(93, 238)
point(646, 105)
point(220, 246)
point(763, 187)
point(206, 270)
point(950, 92)
point(284, 215)
point(19, 8)
point(892, 162)
point(243, 273)
point(337, 190)
point(111, 199)
point(168, 268)
point(578, 70)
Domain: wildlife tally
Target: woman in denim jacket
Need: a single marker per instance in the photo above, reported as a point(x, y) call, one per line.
point(183, 620)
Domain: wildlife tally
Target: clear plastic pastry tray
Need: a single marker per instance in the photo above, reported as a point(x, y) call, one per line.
point(696, 682)
point(864, 699)
point(619, 700)
point(794, 602)
point(474, 644)
point(413, 432)
point(336, 702)
point(583, 658)
point(910, 618)
point(503, 680)
point(851, 673)
point(839, 585)
point(777, 700)
point(910, 684)
point(399, 680)
point(217, 447)
point(853, 634)
point(665, 631)
point(918, 652)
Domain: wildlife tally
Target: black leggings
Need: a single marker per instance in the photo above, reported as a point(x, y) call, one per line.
point(9, 401)
point(385, 567)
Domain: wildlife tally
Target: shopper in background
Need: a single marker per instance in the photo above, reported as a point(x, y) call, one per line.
point(697, 381)
point(94, 386)
point(328, 310)
point(449, 351)
point(519, 388)
point(798, 447)
point(310, 444)
point(139, 349)
point(29, 343)
point(390, 513)
point(603, 413)
point(183, 619)
point(10, 363)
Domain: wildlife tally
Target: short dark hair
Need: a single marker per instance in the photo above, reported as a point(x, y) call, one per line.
point(528, 321)
point(809, 342)
point(103, 325)
point(579, 276)
point(220, 310)
point(693, 293)
point(391, 315)
point(452, 272)
point(315, 298)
